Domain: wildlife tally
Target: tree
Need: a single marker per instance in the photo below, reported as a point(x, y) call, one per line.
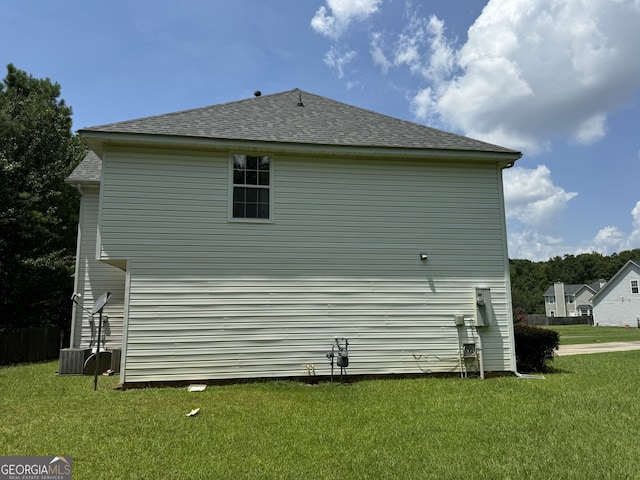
point(38, 211)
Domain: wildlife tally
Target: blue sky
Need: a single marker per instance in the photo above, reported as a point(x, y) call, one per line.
point(559, 81)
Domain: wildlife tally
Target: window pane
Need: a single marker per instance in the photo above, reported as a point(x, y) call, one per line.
point(238, 210)
point(252, 195)
point(263, 178)
point(239, 161)
point(238, 177)
point(263, 195)
point(238, 194)
point(264, 210)
point(264, 163)
point(252, 163)
point(252, 210)
point(252, 177)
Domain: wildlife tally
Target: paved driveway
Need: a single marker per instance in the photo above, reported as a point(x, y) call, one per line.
point(597, 348)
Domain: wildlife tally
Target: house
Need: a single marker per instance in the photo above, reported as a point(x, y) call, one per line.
point(618, 302)
point(570, 300)
point(240, 240)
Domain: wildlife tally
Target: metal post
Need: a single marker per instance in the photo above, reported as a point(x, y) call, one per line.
point(95, 373)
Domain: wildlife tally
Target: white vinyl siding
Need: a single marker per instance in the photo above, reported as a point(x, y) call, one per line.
point(213, 299)
point(93, 278)
point(615, 304)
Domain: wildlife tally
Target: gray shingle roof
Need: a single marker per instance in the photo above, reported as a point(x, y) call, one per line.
point(88, 170)
point(573, 288)
point(280, 118)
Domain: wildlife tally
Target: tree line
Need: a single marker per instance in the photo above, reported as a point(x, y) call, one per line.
point(38, 211)
point(529, 280)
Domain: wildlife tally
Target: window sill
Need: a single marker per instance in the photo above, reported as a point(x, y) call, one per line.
point(251, 220)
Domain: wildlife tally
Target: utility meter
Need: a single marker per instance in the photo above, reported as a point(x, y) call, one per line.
point(484, 310)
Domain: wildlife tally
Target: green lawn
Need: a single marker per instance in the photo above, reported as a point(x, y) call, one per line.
point(580, 423)
point(575, 334)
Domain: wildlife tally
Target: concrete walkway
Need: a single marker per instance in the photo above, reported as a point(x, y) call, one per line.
point(597, 348)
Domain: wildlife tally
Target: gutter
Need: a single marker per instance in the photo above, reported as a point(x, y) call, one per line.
point(100, 141)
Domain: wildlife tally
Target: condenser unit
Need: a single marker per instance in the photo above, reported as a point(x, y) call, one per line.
point(72, 360)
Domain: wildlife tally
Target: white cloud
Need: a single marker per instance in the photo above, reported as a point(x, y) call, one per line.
point(591, 130)
point(377, 53)
point(422, 104)
point(409, 45)
point(533, 199)
point(612, 239)
point(334, 20)
point(337, 60)
point(531, 72)
point(534, 208)
point(422, 47)
point(608, 239)
point(634, 238)
point(534, 246)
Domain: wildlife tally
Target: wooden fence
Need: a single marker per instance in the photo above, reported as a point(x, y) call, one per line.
point(535, 319)
point(30, 345)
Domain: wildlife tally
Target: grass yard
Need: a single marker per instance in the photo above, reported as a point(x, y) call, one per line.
point(575, 334)
point(579, 423)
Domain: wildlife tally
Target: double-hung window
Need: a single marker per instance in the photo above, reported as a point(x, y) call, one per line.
point(634, 286)
point(251, 185)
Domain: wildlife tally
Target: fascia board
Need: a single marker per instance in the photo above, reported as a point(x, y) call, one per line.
point(99, 141)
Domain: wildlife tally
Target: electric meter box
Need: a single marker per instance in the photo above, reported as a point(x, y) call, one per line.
point(484, 310)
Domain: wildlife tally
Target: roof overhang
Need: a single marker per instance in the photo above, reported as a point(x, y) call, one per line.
point(73, 181)
point(100, 142)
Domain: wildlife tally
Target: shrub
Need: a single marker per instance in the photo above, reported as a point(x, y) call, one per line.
point(534, 347)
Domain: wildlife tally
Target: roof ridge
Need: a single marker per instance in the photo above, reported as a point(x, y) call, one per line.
point(189, 110)
point(276, 117)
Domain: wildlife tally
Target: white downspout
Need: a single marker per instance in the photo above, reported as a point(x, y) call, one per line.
point(76, 280)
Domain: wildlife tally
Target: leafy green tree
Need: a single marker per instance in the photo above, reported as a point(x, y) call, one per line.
point(38, 211)
point(529, 280)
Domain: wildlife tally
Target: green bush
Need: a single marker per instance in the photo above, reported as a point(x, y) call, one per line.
point(534, 347)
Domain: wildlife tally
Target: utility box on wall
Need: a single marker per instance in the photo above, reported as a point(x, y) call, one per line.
point(484, 310)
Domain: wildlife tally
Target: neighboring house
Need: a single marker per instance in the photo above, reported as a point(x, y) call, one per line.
point(239, 240)
point(618, 302)
point(570, 300)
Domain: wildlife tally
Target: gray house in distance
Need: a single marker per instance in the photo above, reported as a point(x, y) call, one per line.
point(570, 300)
point(239, 240)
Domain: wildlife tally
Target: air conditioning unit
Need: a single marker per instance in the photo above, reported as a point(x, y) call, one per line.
point(72, 360)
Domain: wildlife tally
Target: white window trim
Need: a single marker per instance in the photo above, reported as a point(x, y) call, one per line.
point(637, 287)
point(230, 217)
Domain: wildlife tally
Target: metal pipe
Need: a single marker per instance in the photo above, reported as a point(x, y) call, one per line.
point(95, 373)
point(480, 357)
